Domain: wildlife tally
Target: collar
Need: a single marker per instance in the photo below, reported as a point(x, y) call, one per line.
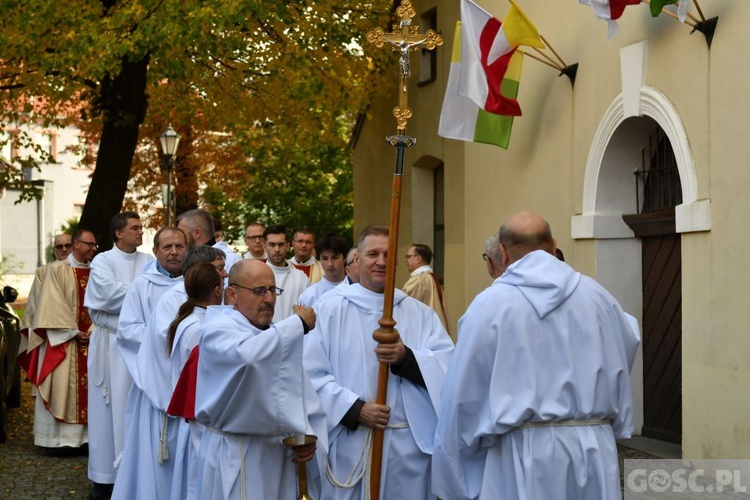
point(74, 263)
point(163, 271)
point(420, 270)
point(308, 262)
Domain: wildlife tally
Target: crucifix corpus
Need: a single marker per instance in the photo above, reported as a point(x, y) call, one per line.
point(403, 39)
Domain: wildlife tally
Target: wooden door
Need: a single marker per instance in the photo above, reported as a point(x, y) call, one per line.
point(661, 324)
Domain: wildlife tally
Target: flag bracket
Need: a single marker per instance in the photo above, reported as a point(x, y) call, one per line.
point(570, 71)
point(707, 27)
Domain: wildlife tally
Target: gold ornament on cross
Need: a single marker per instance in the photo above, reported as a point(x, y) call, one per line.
point(404, 38)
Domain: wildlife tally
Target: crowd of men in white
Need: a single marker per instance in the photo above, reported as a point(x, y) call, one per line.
point(184, 370)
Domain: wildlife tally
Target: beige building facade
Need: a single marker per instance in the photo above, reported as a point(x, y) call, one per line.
point(653, 91)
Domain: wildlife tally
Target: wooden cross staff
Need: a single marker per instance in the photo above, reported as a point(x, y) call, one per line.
point(404, 38)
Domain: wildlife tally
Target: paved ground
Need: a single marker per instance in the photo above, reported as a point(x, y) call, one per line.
point(28, 472)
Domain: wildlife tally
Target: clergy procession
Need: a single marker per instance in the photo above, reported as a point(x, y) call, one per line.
point(195, 375)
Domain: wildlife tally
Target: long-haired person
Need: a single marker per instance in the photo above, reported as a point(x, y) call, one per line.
point(205, 287)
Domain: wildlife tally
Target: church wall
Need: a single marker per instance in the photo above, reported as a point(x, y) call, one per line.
point(545, 167)
point(716, 356)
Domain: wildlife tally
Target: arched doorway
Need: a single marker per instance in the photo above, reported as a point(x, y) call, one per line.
point(658, 192)
point(610, 191)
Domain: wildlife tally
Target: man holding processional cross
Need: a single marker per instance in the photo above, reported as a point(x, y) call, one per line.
point(342, 360)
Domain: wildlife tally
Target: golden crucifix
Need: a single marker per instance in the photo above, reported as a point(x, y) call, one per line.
point(404, 38)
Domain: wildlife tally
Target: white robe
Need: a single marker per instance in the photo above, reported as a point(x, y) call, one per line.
point(314, 292)
point(542, 343)
point(340, 359)
point(111, 274)
point(248, 255)
point(252, 391)
point(293, 282)
point(147, 464)
point(140, 301)
point(189, 434)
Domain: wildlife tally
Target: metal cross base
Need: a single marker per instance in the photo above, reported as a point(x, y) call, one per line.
point(400, 142)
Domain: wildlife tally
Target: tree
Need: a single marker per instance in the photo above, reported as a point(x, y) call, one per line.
point(302, 186)
point(209, 68)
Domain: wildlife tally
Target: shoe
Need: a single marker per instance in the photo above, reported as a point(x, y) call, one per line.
point(101, 491)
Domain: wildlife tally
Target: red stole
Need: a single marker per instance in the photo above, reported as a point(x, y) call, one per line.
point(304, 268)
point(183, 398)
point(54, 355)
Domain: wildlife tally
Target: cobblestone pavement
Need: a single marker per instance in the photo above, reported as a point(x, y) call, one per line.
point(28, 472)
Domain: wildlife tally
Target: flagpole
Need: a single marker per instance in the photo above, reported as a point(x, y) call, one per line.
point(404, 40)
point(700, 12)
point(669, 13)
point(553, 50)
point(551, 62)
point(540, 60)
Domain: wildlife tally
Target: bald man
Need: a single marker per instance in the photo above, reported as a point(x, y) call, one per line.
point(63, 245)
point(556, 350)
point(252, 391)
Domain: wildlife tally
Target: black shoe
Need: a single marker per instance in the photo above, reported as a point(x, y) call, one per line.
point(101, 491)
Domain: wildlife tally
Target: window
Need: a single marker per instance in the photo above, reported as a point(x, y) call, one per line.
point(438, 263)
point(427, 58)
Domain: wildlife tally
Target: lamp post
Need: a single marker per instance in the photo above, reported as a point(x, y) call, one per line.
point(169, 141)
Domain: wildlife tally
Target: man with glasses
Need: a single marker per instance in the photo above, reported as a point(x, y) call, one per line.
point(62, 246)
point(288, 278)
point(351, 266)
point(303, 243)
point(58, 347)
point(252, 391)
point(493, 257)
point(422, 284)
point(255, 242)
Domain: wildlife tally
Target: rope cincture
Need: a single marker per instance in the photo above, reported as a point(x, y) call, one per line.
point(101, 371)
point(163, 448)
point(366, 454)
point(565, 423)
point(240, 452)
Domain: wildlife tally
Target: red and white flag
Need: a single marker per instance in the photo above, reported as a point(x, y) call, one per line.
point(610, 11)
point(484, 42)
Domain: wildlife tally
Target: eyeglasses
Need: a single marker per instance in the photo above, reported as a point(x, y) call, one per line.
point(408, 256)
point(484, 257)
point(66, 246)
point(91, 244)
point(261, 291)
point(256, 238)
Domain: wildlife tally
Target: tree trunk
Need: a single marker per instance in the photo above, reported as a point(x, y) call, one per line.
point(123, 102)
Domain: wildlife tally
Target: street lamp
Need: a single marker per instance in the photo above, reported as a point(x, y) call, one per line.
point(169, 141)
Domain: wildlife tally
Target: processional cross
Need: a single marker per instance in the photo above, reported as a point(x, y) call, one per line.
point(404, 38)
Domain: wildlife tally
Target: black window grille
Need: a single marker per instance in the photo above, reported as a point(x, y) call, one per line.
point(658, 179)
